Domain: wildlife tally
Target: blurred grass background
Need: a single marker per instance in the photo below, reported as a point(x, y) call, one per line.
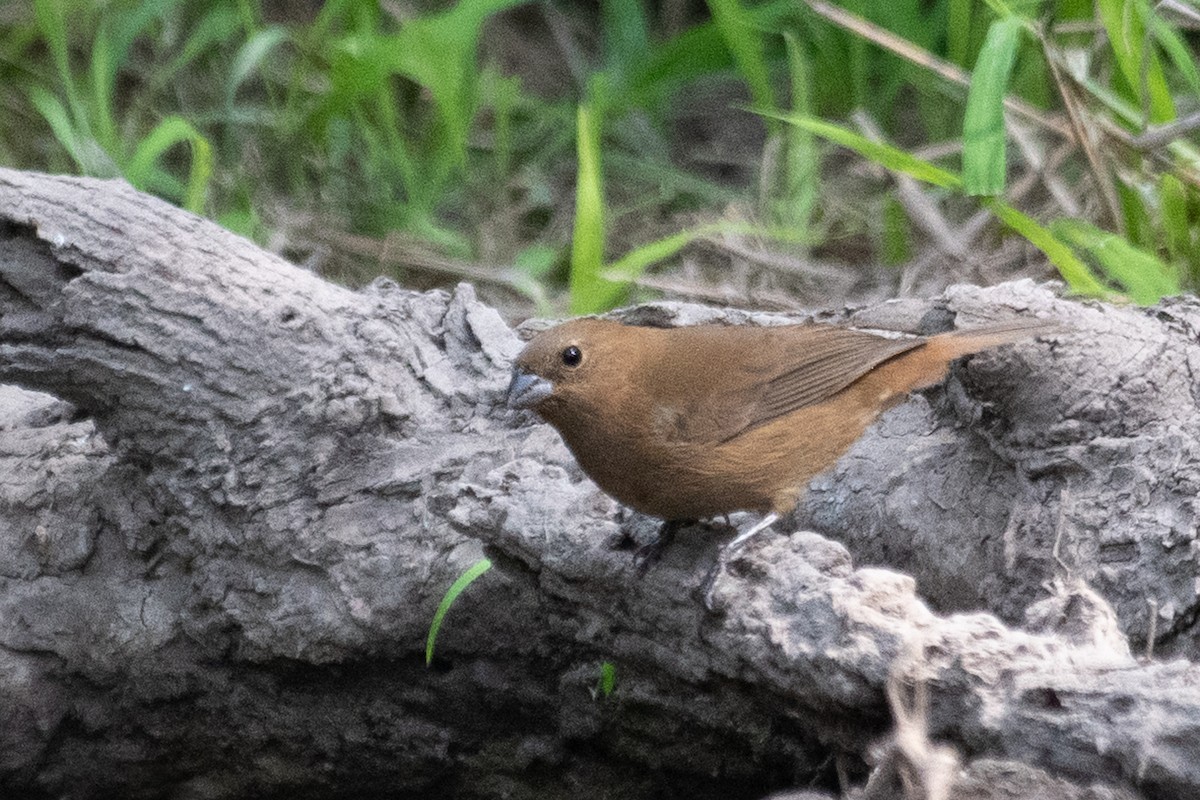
point(569, 157)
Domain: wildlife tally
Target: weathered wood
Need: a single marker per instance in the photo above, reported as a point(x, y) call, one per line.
point(219, 562)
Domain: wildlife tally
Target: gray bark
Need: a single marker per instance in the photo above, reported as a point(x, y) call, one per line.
point(224, 532)
point(1093, 448)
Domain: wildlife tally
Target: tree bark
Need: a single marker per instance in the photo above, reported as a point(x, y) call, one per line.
point(230, 519)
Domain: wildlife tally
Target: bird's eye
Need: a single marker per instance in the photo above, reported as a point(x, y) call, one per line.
point(572, 355)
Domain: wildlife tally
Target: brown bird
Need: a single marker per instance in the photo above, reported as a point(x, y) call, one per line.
point(689, 423)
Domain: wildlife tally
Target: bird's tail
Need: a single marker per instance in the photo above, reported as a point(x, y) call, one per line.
point(926, 366)
point(954, 344)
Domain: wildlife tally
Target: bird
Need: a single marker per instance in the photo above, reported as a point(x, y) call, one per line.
point(696, 422)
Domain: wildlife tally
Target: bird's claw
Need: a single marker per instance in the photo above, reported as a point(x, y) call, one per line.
point(710, 586)
point(727, 553)
point(649, 554)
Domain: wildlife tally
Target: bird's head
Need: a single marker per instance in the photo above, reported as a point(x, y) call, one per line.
point(564, 362)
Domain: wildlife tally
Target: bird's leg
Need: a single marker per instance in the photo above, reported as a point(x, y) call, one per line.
point(740, 540)
point(651, 552)
point(729, 550)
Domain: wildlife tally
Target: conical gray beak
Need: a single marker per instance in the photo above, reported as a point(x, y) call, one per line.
point(527, 390)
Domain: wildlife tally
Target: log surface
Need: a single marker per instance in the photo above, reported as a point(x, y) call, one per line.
point(228, 516)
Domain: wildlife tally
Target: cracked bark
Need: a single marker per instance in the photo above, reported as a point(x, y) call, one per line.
point(228, 522)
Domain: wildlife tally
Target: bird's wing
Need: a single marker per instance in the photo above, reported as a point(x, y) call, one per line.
point(786, 370)
point(831, 359)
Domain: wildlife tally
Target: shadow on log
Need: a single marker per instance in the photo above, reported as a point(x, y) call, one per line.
point(227, 523)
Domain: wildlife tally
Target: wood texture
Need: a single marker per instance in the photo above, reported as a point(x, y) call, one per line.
point(222, 544)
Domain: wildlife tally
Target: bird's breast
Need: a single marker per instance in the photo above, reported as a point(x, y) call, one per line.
point(652, 467)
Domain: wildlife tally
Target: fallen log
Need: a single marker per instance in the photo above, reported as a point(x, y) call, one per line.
point(229, 519)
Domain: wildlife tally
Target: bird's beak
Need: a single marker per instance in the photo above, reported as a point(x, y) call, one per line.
point(527, 390)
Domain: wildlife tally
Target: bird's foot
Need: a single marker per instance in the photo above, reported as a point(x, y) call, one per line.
point(727, 554)
point(709, 586)
point(648, 554)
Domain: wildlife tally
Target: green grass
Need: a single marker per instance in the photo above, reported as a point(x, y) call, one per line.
point(457, 588)
point(985, 144)
point(1077, 275)
point(590, 292)
point(567, 166)
point(80, 107)
point(606, 682)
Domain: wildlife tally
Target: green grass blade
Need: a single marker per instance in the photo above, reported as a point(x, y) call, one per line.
point(984, 166)
point(51, 24)
point(857, 57)
point(104, 74)
point(110, 52)
point(958, 31)
point(897, 249)
point(590, 292)
point(128, 26)
point(1192, 215)
point(1000, 8)
point(438, 51)
point(799, 191)
point(89, 157)
point(1178, 234)
point(460, 584)
point(1177, 50)
point(699, 51)
point(884, 155)
point(1076, 273)
point(696, 52)
point(1125, 23)
point(607, 681)
point(330, 14)
point(143, 165)
point(1139, 229)
point(1146, 278)
point(59, 120)
point(744, 41)
point(53, 28)
point(250, 57)
point(633, 264)
point(626, 34)
point(219, 24)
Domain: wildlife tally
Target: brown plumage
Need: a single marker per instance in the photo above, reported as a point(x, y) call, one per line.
point(690, 423)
